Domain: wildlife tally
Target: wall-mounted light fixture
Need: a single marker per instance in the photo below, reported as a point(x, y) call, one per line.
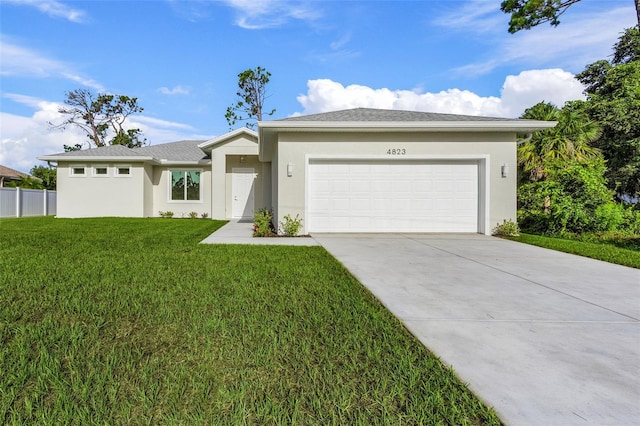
point(289, 169)
point(504, 170)
point(243, 159)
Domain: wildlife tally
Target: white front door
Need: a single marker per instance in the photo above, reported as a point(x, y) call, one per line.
point(242, 192)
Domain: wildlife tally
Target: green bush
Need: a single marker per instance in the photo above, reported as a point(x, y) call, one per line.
point(290, 226)
point(507, 228)
point(573, 198)
point(168, 214)
point(262, 223)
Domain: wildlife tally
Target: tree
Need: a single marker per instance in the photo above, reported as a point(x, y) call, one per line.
point(26, 182)
point(526, 14)
point(102, 117)
point(568, 141)
point(613, 99)
point(252, 92)
point(48, 175)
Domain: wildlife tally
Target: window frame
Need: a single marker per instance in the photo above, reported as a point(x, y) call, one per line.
point(73, 167)
point(117, 168)
point(184, 200)
point(95, 168)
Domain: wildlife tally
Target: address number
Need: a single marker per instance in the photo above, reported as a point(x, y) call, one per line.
point(399, 151)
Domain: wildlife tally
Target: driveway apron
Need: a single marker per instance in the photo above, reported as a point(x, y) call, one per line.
point(546, 338)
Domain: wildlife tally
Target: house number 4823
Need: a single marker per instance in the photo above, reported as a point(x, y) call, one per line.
point(397, 151)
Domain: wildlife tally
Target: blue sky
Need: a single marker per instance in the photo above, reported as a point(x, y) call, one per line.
point(181, 60)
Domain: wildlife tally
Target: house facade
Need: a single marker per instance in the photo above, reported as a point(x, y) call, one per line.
point(359, 170)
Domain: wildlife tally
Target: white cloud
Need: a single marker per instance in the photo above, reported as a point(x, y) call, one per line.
point(26, 137)
point(177, 90)
point(24, 62)
point(586, 37)
point(259, 14)
point(53, 8)
point(518, 93)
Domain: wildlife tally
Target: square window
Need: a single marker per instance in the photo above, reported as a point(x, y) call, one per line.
point(100, 171)
point(185, 185)
point(77, 171)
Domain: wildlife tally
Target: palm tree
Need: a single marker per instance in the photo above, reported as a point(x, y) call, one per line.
point(569, 141)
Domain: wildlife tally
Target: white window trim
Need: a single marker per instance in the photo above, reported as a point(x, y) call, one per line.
point(77, 166)
point(117, 168)
point(100, 166)
point(170, 187)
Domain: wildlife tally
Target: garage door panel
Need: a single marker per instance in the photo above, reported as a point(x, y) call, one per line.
point(393, 196)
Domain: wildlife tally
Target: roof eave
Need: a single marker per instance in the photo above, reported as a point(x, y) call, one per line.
point(207, 146)
point(184, 162)
point(433, 126)
point(93, 158)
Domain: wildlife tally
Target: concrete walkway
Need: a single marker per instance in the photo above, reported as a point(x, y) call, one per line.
point(544, 337)
point(241, 232)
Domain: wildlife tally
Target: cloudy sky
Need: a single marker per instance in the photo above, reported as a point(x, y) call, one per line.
point(181, 60)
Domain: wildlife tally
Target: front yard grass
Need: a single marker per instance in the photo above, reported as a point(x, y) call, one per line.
point(623, 250)
point(131, 321)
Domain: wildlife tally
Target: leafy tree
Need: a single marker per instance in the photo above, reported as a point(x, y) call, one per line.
point(101, 117)
point(526, 14)
point(252, 92)
point(568, 141)
point(26, 182)
point(613, 99)
point(574, 198)
point(47, 174)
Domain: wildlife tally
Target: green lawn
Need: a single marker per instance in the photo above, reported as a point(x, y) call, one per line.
point(614, 249)
point(131, 321)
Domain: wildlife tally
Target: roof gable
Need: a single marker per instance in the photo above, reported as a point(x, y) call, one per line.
point(236, 134)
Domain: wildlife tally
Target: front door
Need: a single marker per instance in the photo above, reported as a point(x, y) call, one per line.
point(242, 192)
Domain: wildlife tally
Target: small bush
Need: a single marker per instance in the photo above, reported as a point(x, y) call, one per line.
point(204, 215)
point(167, 215)
point(262, 223)
point(193, 215)
point(507, 228)
point(290, 226)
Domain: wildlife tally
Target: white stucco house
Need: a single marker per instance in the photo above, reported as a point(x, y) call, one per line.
point(358, 170)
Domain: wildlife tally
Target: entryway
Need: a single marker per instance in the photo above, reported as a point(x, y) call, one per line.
point(243, 192)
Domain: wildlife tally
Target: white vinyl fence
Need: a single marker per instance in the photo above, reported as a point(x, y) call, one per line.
point(19, 202)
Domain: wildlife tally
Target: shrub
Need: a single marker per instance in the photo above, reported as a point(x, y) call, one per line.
point(193, 215)
point(507, 228)
point(262, 223)
point(204, 215)
point(290, 226)
point(168, 214)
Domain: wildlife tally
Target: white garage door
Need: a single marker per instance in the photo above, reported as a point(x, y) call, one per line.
point(392, 196)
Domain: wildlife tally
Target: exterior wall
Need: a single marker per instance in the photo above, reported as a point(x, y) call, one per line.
point(161, 184)
point(148, 190)
point(492, 149)
point(96, 196)
point(220, 186)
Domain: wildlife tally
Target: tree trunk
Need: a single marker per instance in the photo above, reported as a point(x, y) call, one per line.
point(637, 2)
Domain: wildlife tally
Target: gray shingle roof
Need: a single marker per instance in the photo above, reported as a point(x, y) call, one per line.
point(175, 151)
point(387, 115)
point(172, 151)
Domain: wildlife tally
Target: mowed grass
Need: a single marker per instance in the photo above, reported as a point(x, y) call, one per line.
point(131, 321)
point(622, 250)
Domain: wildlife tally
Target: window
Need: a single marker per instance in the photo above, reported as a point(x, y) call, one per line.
point(185, 185)
point(101, 171)
point(124, 171)
point(77, 171)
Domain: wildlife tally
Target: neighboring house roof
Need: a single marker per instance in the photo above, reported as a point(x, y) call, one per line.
point(174, 152)
point(10, 173)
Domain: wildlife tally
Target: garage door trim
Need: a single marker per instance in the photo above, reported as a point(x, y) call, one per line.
point(483, 177)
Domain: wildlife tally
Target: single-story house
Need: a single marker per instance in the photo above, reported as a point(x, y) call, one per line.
point(357, 170)
point(8, 175)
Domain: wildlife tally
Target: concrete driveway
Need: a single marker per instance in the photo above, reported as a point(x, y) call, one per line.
point(546, 338)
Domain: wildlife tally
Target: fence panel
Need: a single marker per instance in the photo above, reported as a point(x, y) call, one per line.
point(32, 202)
point(52, 203)
point(17, 202)
point(8, 202)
